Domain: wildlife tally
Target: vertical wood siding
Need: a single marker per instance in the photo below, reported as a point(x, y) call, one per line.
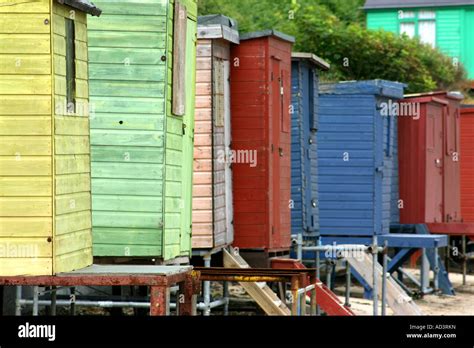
point(203, 150)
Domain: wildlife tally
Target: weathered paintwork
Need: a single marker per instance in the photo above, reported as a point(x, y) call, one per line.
point(212, 187)
point(261, 126)
point(304, 156)
point(45, 201)
point(141, 150)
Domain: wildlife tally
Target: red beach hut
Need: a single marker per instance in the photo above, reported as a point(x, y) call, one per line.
point(261, 144)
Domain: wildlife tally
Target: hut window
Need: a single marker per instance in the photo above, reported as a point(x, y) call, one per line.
point(408, 28)
point(179, 59)
point(420, 24)
point(70, 66)
point(427, 27)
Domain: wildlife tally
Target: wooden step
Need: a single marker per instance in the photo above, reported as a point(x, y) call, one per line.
point(260, 292)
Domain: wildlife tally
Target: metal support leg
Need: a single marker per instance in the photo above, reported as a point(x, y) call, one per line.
point(464, 262)
point(207, 288)
point(375, 287)
point(348, 285)
point(328, 273)
point(72, 308)
point(226, 298)
point(436, 270)
point(53, 300)
point(17, 301)
point(425, 272)
point(185, 297)
point(35, 300)
point(299, 247)
point(384, 279)
point(318, 275)
point(159, 301)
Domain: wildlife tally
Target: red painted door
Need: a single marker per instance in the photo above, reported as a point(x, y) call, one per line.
point(434, 163)
point(276, 151)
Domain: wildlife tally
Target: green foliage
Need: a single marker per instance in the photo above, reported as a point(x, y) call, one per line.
point(335, 30)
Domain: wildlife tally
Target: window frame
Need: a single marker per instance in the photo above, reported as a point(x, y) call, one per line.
point(71, 87)
point(416, 20)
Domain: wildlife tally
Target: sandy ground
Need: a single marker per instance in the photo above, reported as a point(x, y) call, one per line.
point(461, 304)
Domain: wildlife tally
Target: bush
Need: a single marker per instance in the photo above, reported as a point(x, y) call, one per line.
point(354, 52)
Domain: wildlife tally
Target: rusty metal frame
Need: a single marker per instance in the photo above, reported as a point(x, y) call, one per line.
point(188, 283)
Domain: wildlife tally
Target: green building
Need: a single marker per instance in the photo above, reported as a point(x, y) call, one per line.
point(445, 24)
point(142, 72)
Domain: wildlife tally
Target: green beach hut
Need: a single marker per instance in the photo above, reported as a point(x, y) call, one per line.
point(445, 24)
point(142, 58)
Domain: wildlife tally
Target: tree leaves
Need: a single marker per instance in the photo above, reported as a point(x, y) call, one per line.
point(335, 30)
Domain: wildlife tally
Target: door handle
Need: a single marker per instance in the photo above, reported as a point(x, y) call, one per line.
point(438, 163)
point(280, 151)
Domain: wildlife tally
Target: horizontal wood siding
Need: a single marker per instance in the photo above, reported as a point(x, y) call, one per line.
point(298, 211)
point(346, 164)
point(128, 80)
point(26, 166)
point(203, 206)
point(73, 242)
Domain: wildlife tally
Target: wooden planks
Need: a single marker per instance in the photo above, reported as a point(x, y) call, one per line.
point(179, 59)
point(260, 292)
point(397, 298)
point(127, 85)
point(73, 240)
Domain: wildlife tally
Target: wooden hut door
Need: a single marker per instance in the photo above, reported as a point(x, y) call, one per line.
point(276, 150)
point(228, 167)
point(434, 164)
